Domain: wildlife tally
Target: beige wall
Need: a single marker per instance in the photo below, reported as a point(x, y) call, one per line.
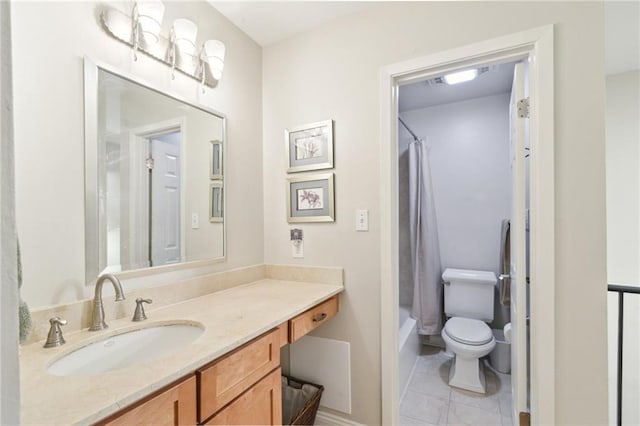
point(334, 73)
point(51, 39)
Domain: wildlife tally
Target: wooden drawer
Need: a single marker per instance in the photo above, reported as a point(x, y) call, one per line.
point(260, 405)
point(313, 318)
point(173, 406)
point(229, 376)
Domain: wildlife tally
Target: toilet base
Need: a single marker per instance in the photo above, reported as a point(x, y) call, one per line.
point(467, 374)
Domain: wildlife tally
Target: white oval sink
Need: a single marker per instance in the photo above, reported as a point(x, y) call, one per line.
point(126, 349)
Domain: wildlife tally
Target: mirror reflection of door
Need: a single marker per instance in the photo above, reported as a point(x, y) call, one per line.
point(153, 180)
point(164, 244)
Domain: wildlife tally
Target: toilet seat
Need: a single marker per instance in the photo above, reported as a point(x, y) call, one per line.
point(468, 331)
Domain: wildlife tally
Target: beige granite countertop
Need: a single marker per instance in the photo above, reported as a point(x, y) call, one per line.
point(231, 317)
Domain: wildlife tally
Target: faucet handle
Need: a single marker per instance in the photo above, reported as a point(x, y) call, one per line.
point(139, 314)
point(55, 338)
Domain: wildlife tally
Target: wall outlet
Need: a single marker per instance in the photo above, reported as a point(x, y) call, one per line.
point(297, 247)
point(195, 221)
point(362, 220)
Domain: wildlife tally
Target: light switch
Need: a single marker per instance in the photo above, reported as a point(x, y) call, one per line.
point(362, 220)
point(195, 221)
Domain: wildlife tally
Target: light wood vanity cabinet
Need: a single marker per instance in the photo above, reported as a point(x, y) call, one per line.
point(260, 405)
point(228, 377)
point(175, 405)
point(242, 387)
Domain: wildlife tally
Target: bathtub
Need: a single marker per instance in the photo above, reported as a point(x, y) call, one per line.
point(408, 346)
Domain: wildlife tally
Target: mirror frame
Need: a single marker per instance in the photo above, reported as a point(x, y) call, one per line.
point(92, 233)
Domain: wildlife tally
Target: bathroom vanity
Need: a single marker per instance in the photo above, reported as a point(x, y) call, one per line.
point(229, 375)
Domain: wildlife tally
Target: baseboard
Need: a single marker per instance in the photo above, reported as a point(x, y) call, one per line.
point(325, 418)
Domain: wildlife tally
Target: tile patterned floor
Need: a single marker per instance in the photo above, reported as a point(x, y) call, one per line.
point(429, 401)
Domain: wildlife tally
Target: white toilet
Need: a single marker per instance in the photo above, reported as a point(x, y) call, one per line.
point(468, 303)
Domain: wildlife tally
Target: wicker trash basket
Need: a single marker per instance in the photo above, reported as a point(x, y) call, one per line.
point(300, 401)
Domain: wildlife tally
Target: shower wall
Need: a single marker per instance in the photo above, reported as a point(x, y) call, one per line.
point(469, 151)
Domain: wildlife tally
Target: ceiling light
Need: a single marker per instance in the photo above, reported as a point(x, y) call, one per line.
point(461, 76)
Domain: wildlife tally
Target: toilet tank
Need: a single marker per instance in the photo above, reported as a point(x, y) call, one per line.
point(469, 294)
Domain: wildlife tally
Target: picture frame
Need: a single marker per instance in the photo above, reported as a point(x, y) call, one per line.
point(310, 198)
point(216, 202)
point(309, 147)
point(216, 165)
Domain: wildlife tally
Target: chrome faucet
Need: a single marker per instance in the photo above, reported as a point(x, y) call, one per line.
point(98, 309)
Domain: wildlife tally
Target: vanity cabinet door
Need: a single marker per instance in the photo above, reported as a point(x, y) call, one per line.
point(260, 405)
point(229, 376)
point(173, 406)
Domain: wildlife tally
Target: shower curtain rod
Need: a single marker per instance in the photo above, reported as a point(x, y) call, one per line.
point(409, 130)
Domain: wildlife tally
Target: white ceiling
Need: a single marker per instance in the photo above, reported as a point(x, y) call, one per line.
point(269, 22)
point(422, 94)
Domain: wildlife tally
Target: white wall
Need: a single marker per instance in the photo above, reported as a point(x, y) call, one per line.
point(623, 177)
point(469, 156)
point(51, 39)
point(9, 368)
point(623, 239)
point(333, 72)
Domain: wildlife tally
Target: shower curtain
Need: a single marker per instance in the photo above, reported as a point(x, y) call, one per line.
point(425, 248)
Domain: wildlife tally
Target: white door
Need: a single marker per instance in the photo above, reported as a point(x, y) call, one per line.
point(165, 202)
point(519, 347)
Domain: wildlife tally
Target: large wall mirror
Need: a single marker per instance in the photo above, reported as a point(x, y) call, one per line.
point(154, 177)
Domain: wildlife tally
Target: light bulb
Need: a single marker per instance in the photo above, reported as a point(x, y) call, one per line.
point(185, 32)
point(215, 50)
point(461, 76)
point(150, 13)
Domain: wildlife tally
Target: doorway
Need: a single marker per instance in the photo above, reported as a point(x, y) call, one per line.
point(534, 47)
point(457, 143)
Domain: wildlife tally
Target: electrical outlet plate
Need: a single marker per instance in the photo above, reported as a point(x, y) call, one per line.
point(297, 247)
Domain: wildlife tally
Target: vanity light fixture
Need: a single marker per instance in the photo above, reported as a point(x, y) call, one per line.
point(214, 51)
point(184, 38)
point(148, 16)
point(182, 44)
point(142, 31)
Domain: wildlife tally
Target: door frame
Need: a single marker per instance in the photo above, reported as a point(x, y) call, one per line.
point(536, 46)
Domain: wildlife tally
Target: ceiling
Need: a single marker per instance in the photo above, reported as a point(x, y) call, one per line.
point(422, 94)
point(269, 22)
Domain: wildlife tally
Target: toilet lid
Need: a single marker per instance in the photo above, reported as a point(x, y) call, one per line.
point(468, 331)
